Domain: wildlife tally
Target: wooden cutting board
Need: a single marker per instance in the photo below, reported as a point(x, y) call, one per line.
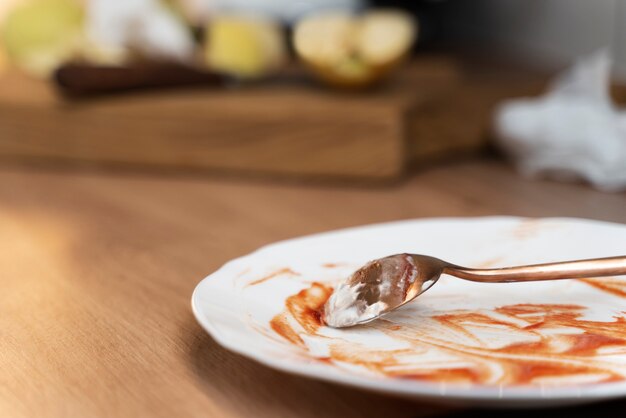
point(292, 128)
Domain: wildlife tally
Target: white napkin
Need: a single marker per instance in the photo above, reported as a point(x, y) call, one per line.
point(573, 131)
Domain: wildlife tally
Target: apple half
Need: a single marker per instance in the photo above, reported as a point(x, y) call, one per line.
point(354, 50)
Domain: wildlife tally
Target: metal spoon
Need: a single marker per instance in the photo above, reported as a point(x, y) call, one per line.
point(385, 284)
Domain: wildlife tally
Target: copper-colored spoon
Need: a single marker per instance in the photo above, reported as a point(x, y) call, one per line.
point(385, 284)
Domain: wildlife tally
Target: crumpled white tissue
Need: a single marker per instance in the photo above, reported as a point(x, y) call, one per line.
point(573, 131)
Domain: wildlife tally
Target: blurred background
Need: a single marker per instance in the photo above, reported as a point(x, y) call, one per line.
point(144, 143)
point(343, 90)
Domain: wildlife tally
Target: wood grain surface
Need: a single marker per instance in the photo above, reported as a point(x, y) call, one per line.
point(287, 127)
point(97, 271)
point(438, 106)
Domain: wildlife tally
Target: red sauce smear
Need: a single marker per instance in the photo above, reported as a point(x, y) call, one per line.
point(615, 286)
point(305, 307)
point(527, 228)
point(332, 265)
point(283, 271)
point(556, 343)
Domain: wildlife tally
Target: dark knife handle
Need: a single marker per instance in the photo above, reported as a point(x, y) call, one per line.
point(80, 80)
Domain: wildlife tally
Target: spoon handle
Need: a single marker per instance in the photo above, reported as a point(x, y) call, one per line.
point(598, 267)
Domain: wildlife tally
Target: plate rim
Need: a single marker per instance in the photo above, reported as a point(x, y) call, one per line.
point(407, 388)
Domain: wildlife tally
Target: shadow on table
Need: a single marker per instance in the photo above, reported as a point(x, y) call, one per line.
point(610, 409)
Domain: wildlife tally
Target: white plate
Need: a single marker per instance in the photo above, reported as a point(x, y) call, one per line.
point(516, 344)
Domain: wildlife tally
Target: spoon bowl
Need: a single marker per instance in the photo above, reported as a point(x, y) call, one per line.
point(385, 284)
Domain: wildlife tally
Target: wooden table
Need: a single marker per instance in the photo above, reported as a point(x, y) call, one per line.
point(97, 271)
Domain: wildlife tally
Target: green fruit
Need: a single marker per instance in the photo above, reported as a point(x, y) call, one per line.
point(244, 47)
point(39, 35)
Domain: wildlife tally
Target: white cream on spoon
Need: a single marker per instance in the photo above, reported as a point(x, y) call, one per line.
point(372, 289)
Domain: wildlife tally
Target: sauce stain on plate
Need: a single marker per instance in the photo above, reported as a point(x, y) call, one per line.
point(281, 272)
point(615, 286)
point(515, 345)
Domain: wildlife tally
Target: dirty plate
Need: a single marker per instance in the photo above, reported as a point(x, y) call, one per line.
point(516, 344)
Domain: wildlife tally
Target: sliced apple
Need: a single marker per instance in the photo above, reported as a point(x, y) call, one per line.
point(40, 34)
point(245, 47)
point(354, 51)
